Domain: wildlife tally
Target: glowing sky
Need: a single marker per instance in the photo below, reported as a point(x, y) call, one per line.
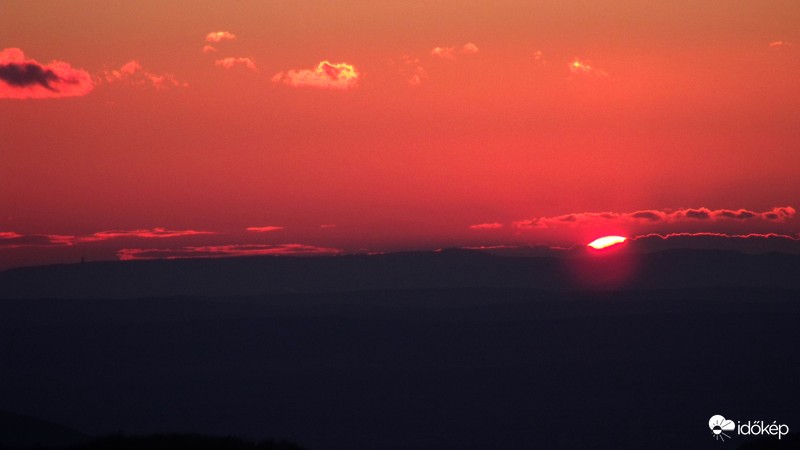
point(260, 127)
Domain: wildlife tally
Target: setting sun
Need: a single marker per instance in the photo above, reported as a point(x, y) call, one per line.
point(606, 241)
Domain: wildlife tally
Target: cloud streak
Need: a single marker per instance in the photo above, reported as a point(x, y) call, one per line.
point(10, 239)
point(486, 226)
point(132, 73)
point(339, 76)
point(779, 45)
point(145, 233)
point(219, 36)
point(579, 67)
point(777, 214)
point(229, 63)
point(411, 69)
point(454, 52)
point(263, 229)
point(23, 78)
point(223, 251)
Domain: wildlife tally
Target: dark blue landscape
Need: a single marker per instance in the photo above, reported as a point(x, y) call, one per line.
point(435, 350)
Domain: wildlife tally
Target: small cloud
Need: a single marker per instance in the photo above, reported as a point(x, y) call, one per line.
point(780, 45)
point(229, 63)
point(218, 36)
point(410, 69)
point(579, 67)
point(417, 76)
point(225, 251)
point(469, 49)
point(26, 78)
point(454, 52)
point(209, 49)
point(538, 56)
point(133, 74)
point(326, 75)
point(263, 229)
point(486, 226)
point(328, 225)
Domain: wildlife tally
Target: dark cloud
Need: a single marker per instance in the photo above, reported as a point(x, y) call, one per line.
point(652, 216)
point(741, 214)
point(28, 74)
point(528, 224)
point(21, 77)
point(699, 214)
point(782, 213)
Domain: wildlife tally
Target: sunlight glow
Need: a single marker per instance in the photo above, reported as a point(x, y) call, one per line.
point(606, 241)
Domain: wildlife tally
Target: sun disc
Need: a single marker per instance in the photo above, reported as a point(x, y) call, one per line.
point(606, 241)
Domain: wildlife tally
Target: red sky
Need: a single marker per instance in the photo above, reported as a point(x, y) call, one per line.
point(150, 126)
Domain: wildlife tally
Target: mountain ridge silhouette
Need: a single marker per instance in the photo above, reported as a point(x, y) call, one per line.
point(408, 270)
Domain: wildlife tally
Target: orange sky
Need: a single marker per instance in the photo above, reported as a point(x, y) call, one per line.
point(428, 118)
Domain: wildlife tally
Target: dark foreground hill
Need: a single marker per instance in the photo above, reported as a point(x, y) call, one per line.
point(18, 431)
point(465, 368)
point(447, 269)
point(35, 430)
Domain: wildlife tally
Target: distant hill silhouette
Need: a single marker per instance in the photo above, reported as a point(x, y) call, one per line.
point(412, 270)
